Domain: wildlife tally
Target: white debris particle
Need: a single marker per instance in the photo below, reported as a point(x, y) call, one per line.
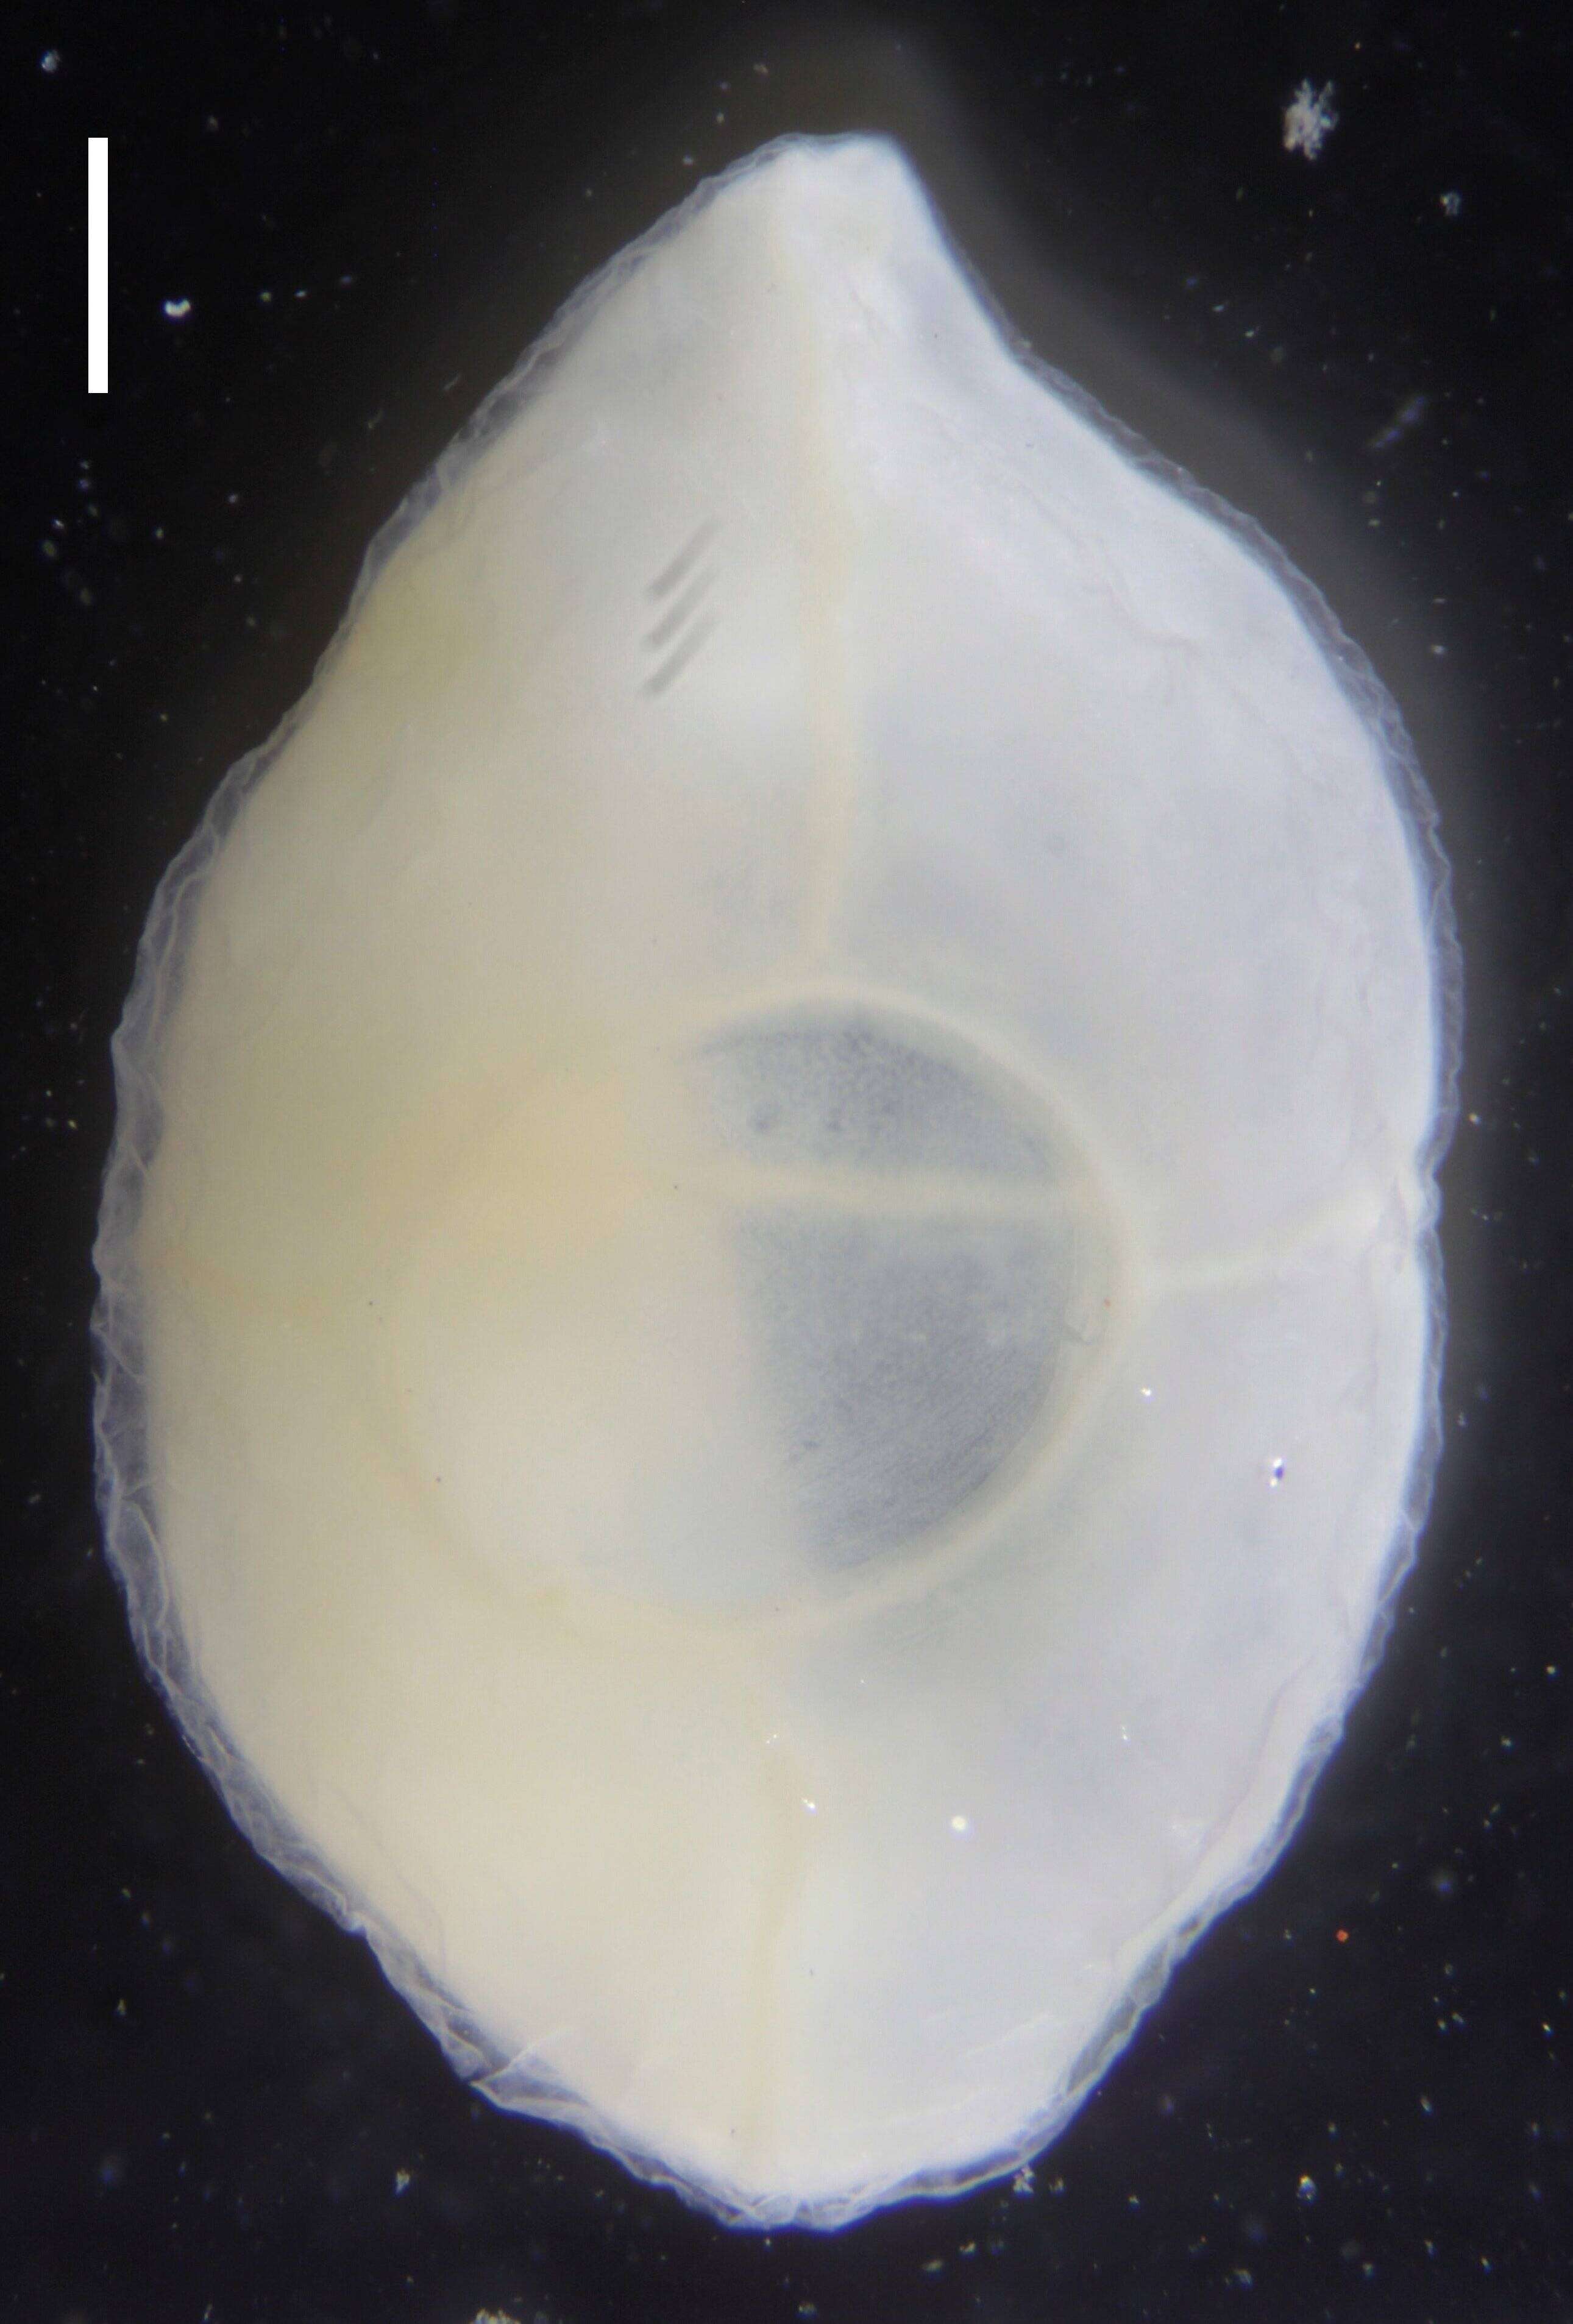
point(1022, 2184)
point(401, 2181)
point(49, 62)
point(1308, 119)
point(1452, 203)
point(177, 310)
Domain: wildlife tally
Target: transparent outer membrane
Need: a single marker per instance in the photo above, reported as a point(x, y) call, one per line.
point(770, 1316)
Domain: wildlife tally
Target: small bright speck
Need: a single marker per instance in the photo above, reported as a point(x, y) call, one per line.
point(49, 62)
point(177, 310)
point(1309, 119)
point(960, 1823)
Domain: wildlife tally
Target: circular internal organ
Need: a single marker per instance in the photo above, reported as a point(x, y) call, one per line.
point(819, 1282)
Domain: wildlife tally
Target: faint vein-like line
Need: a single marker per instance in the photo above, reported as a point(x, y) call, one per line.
point(675, 663)
point(687, 558)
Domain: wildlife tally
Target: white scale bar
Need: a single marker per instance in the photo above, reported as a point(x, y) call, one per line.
point(97, 266)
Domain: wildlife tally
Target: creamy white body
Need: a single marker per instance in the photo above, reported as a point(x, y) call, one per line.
point(769, 1319)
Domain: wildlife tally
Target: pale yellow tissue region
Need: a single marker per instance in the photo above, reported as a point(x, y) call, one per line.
point(770, 1317)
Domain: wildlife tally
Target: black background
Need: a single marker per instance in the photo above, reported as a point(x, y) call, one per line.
point(1352, 2101)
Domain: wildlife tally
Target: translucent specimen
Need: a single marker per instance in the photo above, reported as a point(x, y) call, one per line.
point(770, 1317)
